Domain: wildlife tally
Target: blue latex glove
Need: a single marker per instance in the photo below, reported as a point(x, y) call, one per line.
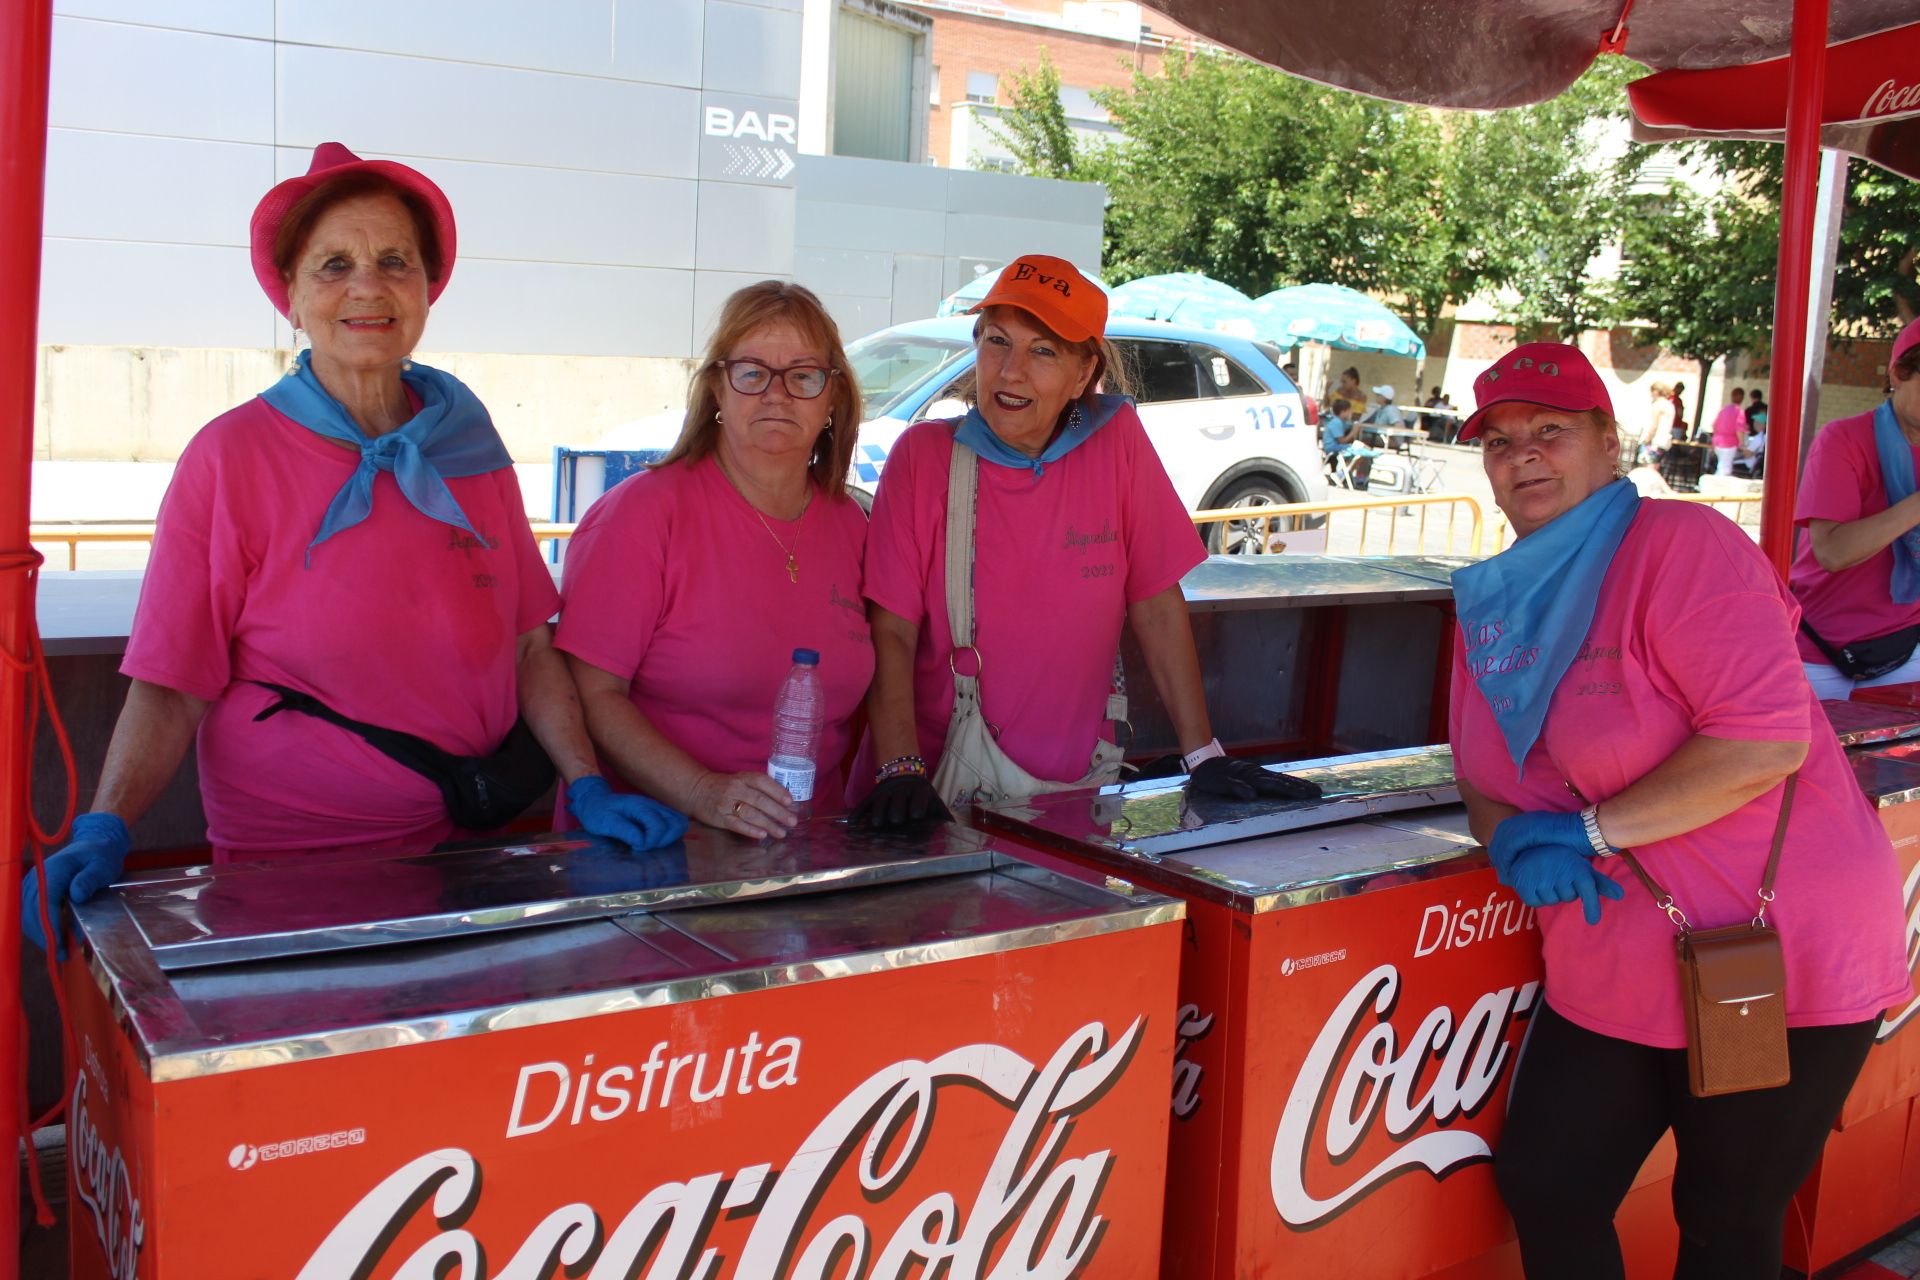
point(1546, 874)
point(1515, 835)
point(635, 821)
point(92, 860)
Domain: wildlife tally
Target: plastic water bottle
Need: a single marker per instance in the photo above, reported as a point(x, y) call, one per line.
point(797, 714)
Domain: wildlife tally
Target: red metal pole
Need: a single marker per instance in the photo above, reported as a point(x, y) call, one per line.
point(1806, 79)
point(26, 28)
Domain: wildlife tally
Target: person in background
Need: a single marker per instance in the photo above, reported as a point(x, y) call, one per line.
point(1078, 533)
point(1856, 572)
point(1729, 429)
point(1347, 388)
point(1432, 423)
point(1625, 732)
point(1676, 398)
point(688, 588)
point(1659, 436)
point(1756, 410)
point(356, 537)
point(1340, 437)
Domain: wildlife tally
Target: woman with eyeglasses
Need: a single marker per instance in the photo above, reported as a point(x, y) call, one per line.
point(687, 589)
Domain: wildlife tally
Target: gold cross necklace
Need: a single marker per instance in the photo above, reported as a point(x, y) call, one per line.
point(793, 567)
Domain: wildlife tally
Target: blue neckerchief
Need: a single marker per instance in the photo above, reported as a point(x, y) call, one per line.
point(1081, 424)
point(451, 436)
point(1896, 476)
point(1525, 613)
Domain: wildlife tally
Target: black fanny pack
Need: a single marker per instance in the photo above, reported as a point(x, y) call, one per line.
point(481, 792)
point(1868, 659)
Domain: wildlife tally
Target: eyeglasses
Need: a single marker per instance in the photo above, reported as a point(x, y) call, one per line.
point(751, 378)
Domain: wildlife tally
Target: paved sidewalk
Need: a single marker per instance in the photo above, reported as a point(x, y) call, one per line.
point(1900, 1259)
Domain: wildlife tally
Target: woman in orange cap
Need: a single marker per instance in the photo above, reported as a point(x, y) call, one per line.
point(1007, 548)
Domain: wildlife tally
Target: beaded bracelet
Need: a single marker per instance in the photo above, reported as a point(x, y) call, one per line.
point(901, 767)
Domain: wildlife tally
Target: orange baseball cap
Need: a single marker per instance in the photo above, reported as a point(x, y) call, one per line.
point(1052, 291)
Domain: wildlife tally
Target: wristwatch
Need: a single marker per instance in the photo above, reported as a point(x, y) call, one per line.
point(1590, 819)
point(1208, 752)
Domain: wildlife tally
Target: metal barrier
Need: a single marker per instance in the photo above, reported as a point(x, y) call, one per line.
point(1502, 531)
point(1275, 521)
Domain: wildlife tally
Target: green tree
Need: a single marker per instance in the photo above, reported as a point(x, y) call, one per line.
point(1034, 125)
point(1875, 290)
point(1699, 273)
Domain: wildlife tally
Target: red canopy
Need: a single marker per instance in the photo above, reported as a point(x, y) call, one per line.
point(1506, 53)
point(1870, 108)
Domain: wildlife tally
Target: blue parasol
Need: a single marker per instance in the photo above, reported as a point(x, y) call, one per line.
point(1337, 316)
point(1188, 298)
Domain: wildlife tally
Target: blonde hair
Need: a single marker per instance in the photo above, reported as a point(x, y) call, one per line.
point(746, 312)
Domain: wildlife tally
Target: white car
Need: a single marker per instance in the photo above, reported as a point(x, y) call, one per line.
point(1230, 427)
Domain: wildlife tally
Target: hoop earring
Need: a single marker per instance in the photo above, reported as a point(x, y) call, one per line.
point(716, 415)
point(829, 425)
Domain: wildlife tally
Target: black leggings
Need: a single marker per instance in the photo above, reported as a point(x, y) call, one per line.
point(1587, 1108)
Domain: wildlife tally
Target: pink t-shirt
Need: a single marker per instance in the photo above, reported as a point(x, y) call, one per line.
point(1842, 482)
point(1729, 426)
point(401, 621)
point(1057, 559)
point(1649, 677)
point(672, 583)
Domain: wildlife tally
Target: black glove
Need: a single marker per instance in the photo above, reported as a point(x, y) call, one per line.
point(1245, 780)
point(906, 801)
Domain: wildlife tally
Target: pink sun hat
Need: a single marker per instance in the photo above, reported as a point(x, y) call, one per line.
point(332, 160)
point(1908, 339)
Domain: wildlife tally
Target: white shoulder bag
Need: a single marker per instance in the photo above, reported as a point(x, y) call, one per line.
point(973, 768)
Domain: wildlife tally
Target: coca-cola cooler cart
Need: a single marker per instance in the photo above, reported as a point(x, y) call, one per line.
point(1352, 999)
point(832, 1055)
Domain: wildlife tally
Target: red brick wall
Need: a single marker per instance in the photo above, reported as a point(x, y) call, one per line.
point(966, 42)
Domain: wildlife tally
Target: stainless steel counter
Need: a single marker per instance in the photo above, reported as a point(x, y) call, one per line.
point(1858, 723)
point(1387, 813)
point(247, 966)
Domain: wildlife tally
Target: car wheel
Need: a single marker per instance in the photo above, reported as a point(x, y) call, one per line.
point(1242, 537)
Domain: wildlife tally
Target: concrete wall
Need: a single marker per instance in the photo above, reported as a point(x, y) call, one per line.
point(884, 243)
point(610, 185)
point(604, 211)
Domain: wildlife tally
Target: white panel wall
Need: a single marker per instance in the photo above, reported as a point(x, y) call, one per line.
point(567, 134)
point(884, 243)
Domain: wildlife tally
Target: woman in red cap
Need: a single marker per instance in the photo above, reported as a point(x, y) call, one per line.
point(345, 605)
point(1589, 720)
point(1007, 548)
point(1857, 570)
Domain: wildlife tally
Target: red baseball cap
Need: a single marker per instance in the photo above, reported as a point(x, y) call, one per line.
point(1552, 374)
point(1909, 338)
point(332, 160)
point(1052, 291)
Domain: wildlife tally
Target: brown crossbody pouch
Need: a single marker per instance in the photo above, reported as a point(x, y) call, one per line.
point(1733, 984)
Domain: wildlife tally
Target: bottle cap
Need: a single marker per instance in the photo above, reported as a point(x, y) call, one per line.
point(807, 657)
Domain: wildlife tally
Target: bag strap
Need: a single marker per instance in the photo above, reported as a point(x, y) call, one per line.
point(1664, 900)
point(963, 487)
point(1839, 660)
point(411, 750)
point(963, 493)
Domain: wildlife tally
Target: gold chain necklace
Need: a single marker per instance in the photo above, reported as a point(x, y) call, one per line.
point(793, 567)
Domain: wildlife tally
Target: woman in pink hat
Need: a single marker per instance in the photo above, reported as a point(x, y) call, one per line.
point(1603, 749)
point(1008, 548)
point(345, 607)
point(1857, 570)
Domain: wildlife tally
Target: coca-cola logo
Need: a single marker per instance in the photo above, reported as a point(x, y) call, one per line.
point(1357, 1075)
point(1892, 1020)
point(1035, 1205)
point(103, 1185)
point(1891, 97)
point(1189, 1025)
